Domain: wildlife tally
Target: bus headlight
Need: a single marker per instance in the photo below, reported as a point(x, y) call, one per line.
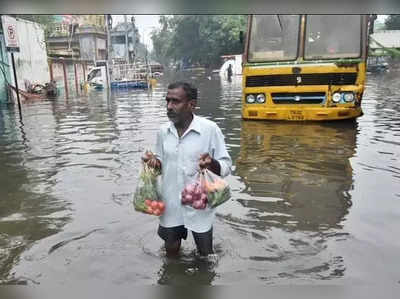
point(250, 98)
point(336, 97)
point(260, 98)
point(348, 97)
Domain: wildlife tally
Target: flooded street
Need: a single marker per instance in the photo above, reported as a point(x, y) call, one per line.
point(313, 203)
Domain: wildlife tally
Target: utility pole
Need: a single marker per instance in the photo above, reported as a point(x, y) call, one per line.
point(16, 84)
point(372, 19)
point(133, 40)
point(108, 64)
point(126, 41)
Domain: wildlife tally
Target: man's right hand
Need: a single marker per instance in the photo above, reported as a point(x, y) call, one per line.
point(150, 159)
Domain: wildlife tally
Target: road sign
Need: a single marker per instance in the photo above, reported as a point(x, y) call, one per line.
point(10, 33)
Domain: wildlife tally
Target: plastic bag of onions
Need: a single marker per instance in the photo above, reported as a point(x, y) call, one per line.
point(195, 193)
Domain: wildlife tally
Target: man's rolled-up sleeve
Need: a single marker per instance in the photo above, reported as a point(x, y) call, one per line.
point(220, 153)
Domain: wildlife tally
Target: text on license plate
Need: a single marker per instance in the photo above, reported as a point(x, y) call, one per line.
point(296, 115)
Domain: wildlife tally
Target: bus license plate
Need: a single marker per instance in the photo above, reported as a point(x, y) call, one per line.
point(296, 115)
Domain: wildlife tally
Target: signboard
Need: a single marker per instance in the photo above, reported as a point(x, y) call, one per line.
point(10, 33)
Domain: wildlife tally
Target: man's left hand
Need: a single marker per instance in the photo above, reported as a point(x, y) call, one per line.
point(206, 161)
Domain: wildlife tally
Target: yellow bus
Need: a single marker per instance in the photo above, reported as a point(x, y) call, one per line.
point(304, 67)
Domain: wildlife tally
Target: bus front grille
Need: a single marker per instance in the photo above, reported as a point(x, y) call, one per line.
point(298, 98)
point(302, 79)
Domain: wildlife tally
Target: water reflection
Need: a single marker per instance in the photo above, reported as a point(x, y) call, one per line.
point(306, 166)
point(28, 211)
point(288, 215)
point(189, 271)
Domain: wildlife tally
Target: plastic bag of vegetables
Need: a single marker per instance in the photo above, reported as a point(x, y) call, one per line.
point(207, 189)
point(146, 198)
point(218, 190)
point(194, 194)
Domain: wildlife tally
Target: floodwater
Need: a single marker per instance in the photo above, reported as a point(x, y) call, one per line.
point(313, 203)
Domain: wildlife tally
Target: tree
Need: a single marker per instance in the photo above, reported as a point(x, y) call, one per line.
point(392, 22)
point(199, 39)
point(161, 41)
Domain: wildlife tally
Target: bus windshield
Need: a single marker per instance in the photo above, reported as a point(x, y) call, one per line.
point(273, 38)
point(333, 36)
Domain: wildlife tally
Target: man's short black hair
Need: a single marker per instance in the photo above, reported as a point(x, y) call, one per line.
point(190, 90)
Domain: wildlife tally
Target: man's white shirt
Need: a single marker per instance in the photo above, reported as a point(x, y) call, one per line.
point(179, 158)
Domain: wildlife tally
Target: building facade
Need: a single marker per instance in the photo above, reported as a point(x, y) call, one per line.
point(124, 41)
point(30, 62)
point(81, 37)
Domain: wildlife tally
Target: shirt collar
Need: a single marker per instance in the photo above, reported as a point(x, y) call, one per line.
point(194, 126)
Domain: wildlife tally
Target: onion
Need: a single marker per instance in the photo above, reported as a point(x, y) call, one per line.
point(188, 198)
point(197, 204)
point(190, 188)
point(195, 196)
point(183, 200)
point(203, 197)
point(197, 190)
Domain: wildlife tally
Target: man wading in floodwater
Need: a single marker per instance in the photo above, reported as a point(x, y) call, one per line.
point(229, 71)
point(185, 144)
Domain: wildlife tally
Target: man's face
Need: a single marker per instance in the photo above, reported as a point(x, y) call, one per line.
point(179, 108)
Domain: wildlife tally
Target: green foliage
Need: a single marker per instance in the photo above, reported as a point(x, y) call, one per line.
point(198, 39)
point(392, 22)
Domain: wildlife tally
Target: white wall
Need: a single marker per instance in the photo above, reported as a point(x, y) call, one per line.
point(87, 47)
point(31, 60)
point(118, 51)
point(387, 38)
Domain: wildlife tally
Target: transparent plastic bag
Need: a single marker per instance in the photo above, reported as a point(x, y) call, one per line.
point(146, 198)
point(207, 188)
point(194, 194)
point(218, 190)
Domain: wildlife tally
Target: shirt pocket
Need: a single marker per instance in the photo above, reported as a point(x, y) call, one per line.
point(170, 149)
point(191, 164)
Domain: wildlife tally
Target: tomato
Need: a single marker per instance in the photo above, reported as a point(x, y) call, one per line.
point(149, 210)
point(161, 205)
point(154, 204)
point(157, 212)
point(147, 202)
